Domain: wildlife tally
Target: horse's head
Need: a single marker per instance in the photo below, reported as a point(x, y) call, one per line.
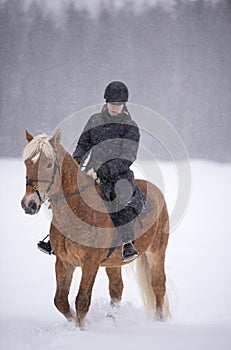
point(42, 167)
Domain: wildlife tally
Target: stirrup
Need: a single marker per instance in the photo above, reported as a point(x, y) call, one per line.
point(129, 252)
point(45, 247)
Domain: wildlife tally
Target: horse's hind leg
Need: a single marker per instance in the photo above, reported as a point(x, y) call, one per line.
point(151, 277)
point(64, 273)
point(158, 281)
point(115, 284)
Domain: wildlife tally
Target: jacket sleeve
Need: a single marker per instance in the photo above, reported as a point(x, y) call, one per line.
point(130, 143)
point(84, 144)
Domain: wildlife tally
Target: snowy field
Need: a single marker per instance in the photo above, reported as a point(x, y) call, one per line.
point(198, 268)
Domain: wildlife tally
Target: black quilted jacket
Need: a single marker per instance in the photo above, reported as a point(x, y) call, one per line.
point(108, 144)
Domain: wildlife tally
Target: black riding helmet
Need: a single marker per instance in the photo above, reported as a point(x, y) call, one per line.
point(116, 91)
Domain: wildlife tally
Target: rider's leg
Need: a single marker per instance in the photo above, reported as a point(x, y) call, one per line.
point(122, 214)
point(126, 219)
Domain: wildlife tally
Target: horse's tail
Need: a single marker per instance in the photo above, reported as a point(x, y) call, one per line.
point(143, 276)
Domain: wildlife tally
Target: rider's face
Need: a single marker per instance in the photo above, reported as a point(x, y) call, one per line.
point(115, 109)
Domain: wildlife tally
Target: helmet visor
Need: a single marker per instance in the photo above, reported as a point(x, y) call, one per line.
point(115, 103)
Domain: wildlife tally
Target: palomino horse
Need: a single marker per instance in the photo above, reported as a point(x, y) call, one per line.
point(82, 232)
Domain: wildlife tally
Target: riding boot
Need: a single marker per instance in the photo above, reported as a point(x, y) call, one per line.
point(127, 234)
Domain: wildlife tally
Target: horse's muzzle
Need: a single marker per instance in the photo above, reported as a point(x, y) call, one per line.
point(31, 207)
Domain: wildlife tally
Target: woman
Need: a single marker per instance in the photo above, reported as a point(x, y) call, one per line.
point(106, 149)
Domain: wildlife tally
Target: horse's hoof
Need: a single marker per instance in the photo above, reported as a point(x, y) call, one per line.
point(159, 316)
point(80, 323)
point(70, 316)
point(115, 303)
point(111, 316)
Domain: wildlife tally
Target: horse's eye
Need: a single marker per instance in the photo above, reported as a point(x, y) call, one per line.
point(49, 165)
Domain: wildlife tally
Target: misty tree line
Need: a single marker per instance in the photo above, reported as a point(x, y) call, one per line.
point(176, 63)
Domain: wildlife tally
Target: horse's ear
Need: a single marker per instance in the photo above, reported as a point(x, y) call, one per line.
point(56, 138)
point(29, 137)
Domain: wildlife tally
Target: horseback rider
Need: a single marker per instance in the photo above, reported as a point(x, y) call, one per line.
point(106, 149)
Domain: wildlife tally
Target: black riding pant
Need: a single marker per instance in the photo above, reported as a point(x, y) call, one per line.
point(124, 201)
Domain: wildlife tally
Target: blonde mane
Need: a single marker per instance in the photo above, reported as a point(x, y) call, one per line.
point(38, 144)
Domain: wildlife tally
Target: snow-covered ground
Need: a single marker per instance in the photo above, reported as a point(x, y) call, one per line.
point(198, 268)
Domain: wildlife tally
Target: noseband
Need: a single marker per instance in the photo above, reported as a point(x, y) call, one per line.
point(30, 182)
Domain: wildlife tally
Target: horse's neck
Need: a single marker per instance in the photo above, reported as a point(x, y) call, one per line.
point(71, 173)
point(68, 209)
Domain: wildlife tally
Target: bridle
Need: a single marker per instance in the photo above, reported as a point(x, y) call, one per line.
point(30, 182)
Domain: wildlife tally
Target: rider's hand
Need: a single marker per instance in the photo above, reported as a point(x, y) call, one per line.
point(91, 172)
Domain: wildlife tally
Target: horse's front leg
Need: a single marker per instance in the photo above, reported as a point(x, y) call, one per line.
point(83, 298)
point(115, 284)
point(64, 273)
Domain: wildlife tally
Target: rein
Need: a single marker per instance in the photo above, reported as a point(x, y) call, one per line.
point(58, 198)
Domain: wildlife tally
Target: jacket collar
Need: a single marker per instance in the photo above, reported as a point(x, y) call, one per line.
point(120, 118)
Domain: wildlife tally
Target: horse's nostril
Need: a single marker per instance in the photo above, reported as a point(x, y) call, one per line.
point(32, 205)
